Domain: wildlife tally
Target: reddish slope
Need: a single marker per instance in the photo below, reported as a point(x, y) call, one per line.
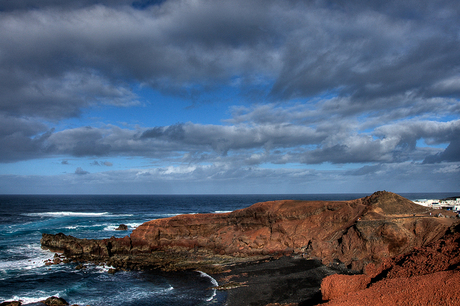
point(425, 276)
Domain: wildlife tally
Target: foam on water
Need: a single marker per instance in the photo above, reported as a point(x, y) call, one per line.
point(32, 299)
point(213, 282)
point(32, 257)
point(24, 276)
point(75, 214)
point(111, 227)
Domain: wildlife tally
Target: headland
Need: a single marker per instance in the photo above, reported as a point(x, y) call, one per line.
point(267, 239)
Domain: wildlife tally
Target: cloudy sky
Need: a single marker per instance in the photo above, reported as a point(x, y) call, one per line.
point(239, 96)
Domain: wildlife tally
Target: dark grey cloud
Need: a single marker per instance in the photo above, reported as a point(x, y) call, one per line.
point(369, 54)
point(450, 154)
point(173, 132)
point(22, 138)
point(80, 171)
point(58, 57)
point(335, 142)
point(6, 6)
point(101, 163)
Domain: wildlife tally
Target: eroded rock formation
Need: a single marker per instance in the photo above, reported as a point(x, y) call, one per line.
point(428, 275)
point(353, 232)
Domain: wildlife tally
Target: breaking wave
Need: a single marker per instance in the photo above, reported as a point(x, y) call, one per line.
point(75, 214)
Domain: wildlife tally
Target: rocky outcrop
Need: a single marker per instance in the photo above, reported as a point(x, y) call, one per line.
point(428, 275)
point(353, 232)
point(12, 303)
point(122, 227)
point(51, 301)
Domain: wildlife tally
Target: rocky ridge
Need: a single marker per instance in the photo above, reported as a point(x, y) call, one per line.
point(355, 233)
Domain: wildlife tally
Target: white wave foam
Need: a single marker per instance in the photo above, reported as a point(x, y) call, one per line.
point(169, 289)
point(222, 211)
point(133, 225)
point(166, 215)
point(34, 257)
point(74, 214)
point(213, 281)
point(31, 300)
point(66, 214)
point(113, 226)
point(103, 269)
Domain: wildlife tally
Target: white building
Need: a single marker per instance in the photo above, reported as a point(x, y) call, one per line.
point(450, 204)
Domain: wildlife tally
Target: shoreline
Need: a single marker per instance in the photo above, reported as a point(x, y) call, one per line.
point(284, 280)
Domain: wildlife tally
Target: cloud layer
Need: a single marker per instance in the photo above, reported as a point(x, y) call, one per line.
point(370, 84)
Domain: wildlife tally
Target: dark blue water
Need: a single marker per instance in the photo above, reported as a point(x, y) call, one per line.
point(24, 276)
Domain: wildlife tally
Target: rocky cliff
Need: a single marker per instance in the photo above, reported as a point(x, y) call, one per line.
point(353, 232)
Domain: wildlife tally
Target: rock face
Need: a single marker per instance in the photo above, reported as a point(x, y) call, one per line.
point(353, 232)
point(425, 276)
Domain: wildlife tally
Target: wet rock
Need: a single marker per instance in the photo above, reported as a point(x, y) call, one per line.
point(54, 301)
point(80, 266)
point(122, 227)
point(12, 303)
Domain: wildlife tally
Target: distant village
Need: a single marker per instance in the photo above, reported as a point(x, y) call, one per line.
point(447, 204)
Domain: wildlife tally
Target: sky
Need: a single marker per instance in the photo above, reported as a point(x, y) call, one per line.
point(229, 97)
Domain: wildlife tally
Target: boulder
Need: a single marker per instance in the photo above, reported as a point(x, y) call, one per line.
point(54, 301)
point(122, 227)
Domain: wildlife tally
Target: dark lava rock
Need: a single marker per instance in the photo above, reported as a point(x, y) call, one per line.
point(80, 266)
point(13, 303)
point(55, 301)
point(122, 227)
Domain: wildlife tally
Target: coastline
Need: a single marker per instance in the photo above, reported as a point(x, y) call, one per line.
point(197, 242)
point(284, 280)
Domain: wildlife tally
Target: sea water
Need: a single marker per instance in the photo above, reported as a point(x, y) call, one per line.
point(24, 275)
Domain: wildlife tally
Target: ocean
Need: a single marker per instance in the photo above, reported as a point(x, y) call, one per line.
point(24, 275)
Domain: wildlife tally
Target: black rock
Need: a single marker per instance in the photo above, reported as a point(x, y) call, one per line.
point(51, 301)
point(122, 227)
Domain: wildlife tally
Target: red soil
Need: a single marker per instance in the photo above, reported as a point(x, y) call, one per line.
point(425, 276)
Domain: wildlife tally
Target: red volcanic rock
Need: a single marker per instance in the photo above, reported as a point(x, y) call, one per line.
point(426, 276)
point(337, 285)
point(441, 288)
point(353, 232)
